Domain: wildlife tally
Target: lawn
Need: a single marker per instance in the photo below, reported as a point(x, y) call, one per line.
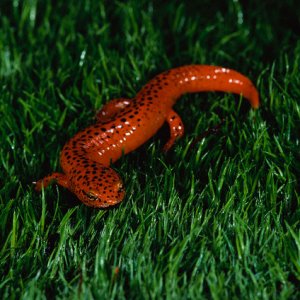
point(216, 219)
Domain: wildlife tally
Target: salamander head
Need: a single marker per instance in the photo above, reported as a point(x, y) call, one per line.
point(98, 186)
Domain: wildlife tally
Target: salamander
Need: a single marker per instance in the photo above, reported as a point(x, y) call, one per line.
point(122, 125)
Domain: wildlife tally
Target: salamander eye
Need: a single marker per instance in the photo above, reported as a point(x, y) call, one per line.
point(91, 195)
point(120, 188)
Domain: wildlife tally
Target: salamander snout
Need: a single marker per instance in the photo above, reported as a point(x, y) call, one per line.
point(100, 188)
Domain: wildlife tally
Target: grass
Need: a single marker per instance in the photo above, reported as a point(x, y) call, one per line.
point(216, 220)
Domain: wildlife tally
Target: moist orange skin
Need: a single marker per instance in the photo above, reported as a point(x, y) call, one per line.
point(125, 124)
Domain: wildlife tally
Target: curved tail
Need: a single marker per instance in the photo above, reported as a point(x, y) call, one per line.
point(204, 78)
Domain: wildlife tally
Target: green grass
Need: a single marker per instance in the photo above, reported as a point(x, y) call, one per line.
point(217, 220)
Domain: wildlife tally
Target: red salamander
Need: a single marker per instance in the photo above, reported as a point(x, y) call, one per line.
point(125, 124)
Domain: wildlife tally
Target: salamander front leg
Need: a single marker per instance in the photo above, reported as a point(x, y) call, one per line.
point(57, 178)
point(176, 129)
point(111, 109)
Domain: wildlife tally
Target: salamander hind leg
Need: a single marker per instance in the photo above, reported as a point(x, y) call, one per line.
point(57, 178)
point(176, 129)
point(111, 109)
